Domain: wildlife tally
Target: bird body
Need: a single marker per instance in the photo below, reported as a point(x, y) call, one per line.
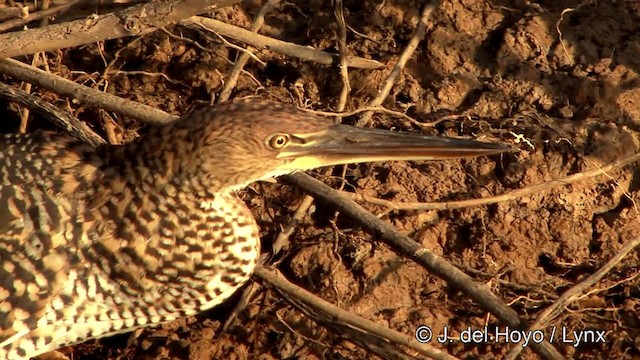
point(100, 241)
point(107, 251)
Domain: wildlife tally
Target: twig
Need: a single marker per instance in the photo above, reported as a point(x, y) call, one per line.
point(278, 46)
point(132, 21)
point(145, 73)
point(82, 93)
point(43, 14)
point(416, 38)
point(282, 240)
point(576, 291)
point(374, 109)
point(559, 22)
point(241, 61)
point(109, 125)
point(25, 112)
point(364, 36)
point(342, 46)
point(26, 87)
point(426, 258)
point(564, 48)
point(73, 126)
point(327, 312)
point(240, 49)
point(510, 196)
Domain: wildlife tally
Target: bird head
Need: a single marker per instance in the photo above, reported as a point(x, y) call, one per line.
point(228, 146)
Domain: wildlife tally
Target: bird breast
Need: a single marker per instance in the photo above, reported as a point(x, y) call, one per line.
point(238, 242)
point(180, 252)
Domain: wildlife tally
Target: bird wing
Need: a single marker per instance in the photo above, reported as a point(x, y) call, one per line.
point(34, 265)
point(35, 227)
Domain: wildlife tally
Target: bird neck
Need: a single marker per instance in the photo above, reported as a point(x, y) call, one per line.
point(167, 238)
point(170, 156)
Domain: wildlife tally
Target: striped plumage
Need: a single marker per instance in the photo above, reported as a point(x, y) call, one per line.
point(99, 241)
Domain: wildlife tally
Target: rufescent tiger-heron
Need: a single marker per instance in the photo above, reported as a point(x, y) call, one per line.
point(100, 241)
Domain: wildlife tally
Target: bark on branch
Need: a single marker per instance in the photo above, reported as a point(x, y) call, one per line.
point(132, 21)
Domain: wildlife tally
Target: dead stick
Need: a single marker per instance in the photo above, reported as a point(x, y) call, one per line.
point(416, 38)
point(278, 46)
point(25, 113)
point(338, 12)
point(60, 118)
point(132, 21)
point(24, 72)
point(243, 58)
point(510, 196)
point(42, 14)
point(334, 314)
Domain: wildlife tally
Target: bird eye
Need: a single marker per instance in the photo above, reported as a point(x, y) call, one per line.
point(278, 141)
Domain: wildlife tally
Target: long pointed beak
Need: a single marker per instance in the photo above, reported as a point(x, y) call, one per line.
point(342, 144)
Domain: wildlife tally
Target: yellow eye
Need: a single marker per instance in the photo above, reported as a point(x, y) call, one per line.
point(278, 141)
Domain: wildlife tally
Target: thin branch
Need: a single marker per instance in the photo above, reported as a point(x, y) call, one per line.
point(327, 312)
point(282, 240)
point(510, 196)
point(40, 56)
point(407, 53)
point(24, 72)
point(375, 109)
point(43, 14)
point(60, 118)
point(278, 46)
point(132, 21)
point(338, 12)
point(243, 59)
